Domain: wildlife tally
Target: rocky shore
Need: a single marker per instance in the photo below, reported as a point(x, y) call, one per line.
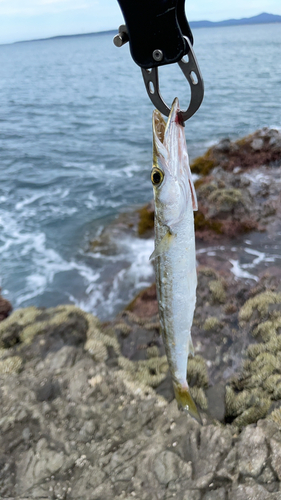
point(87, 408)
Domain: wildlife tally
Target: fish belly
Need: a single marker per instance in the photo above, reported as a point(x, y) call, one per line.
point(176, 288)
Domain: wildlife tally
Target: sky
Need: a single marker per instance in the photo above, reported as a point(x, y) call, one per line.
point(31, 19)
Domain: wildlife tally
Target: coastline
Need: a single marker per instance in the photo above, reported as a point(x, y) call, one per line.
point(88, 405)
point(263, 18)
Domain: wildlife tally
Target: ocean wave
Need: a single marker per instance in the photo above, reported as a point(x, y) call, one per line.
point(103, 285)
point(130, 271)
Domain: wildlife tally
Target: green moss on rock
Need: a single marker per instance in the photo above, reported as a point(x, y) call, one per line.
point(251, 394)
point(259, 303)
point(11, 364)
point(197, 373)
point(199, 397)
point(275, 416)
point(201, 223)
point(30, 322)
point(273, 345)
point(150, 372)
point(254, 413)
point(212, 324)
point(203, 164)
point(152, 352)
point(217, 290)
point(146, 220)
point(226, 200)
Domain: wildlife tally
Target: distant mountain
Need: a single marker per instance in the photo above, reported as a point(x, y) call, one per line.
point(95, 33)
point(260, 19)
point(263, 18)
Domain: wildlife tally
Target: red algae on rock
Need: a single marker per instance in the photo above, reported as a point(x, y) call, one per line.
point(232, 199)
point(5, 308)
point(203, 164)
point(145, 303)
point(261, 148)
point(237, 192)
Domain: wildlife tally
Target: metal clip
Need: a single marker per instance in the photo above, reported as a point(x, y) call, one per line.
point(122, 37)
point(193, 75)
point(159, 34)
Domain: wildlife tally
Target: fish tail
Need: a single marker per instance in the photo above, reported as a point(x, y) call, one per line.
point(185, 401)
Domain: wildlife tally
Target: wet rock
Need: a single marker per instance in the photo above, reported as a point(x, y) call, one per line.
point(251, 151)
point(5, 308)
point(35, 466)
point(238, 192)
point(252, 451)
point(48, 391)
point(224, 146)
point(231, 199)
point(216, 401)
point(145, 303)
point(218, 494)
point(10, 364)
point(275, 447)
point(255, 492)
point(73, 426)
point(257, 144)
point(168, 467)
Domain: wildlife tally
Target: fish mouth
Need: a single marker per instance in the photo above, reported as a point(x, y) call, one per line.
point(170, 151)
point(174, 119)
point(169, 144)
point(166, 134)
point(160, 127)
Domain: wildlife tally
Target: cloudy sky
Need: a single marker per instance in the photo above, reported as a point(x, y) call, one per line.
point(29, 19)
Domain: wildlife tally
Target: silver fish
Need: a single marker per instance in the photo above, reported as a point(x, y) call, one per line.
point(174, 254)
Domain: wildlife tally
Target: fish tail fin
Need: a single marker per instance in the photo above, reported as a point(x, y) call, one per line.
point(185, 401)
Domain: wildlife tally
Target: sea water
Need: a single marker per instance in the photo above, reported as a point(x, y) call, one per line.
point(76, 146)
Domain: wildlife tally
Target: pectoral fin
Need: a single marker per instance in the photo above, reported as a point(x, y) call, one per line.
point(163, 246)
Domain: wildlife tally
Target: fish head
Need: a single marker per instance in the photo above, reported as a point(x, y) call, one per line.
point(170, 175)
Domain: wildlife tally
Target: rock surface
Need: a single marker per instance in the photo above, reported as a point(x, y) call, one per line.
point(78, 422)
point(87, 408)
point(237, 191)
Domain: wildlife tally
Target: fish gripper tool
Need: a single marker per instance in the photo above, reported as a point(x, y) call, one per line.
point(159, 34)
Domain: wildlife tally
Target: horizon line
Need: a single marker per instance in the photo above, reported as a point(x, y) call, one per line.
point(218, 24)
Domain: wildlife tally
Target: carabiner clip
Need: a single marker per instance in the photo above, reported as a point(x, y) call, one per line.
point(159, 34)
point(193, 75)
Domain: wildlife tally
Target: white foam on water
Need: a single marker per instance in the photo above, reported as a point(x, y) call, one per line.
point(276, 127)
point(44, 263)
point(40, 206)
point(129, 170)
point(94, 201)
point(210, 144)
point(242, 270)
point(28, 200)
point(105, 298)
point(238, 271)
point(103, 288)
point(219, 248)
point(260, 257)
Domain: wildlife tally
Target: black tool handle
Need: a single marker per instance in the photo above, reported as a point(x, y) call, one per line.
point(155, 30)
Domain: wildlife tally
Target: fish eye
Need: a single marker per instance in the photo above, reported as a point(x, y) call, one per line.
point(157, 176)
